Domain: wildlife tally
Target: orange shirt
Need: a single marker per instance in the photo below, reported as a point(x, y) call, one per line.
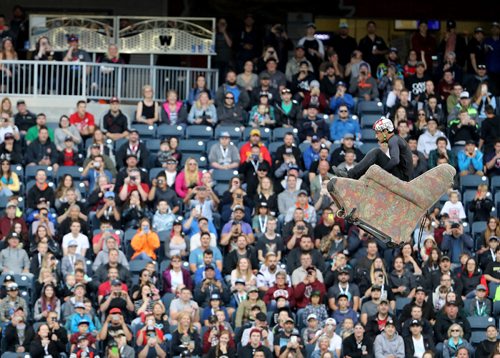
point(146, 243)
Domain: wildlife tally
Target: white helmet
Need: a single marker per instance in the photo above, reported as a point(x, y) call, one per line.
point(383, 124)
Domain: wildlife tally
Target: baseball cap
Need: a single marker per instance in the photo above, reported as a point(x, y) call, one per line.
point(224, 134)
point(292, 167)
point(348, 136)
point(109, 194)
point(286, 90)
point(261, 316)
point(289, 319)
point(72, 37)
point(419, 289)
point(445, 258)
point(470, 141)
point(240, 281)
point(452, 303)
point(415, 322)
point(115, 310)
point(72, 243)
point(364, 64)
point(264, 76)
point(131, 155)
point(478, 29)
point(300, 46)
point(480, 287)
point(11, 286)
point(314, 138)
point(13, 235)
point(390, 322)
point(495, 24)
point(376, 288)
point(171, 160)
point(253, 289)
point(209, 267)
point(255, 131)
point(316, 293)
point(302, 192)
point(133, 130)
point(238, 207)
point(341, 83)
point(116, 282)
point(8, 136)
point(84, 321)
point(393, 49)
point(9, 278)
point(314, 83)
point(79, 284)
point(311, 24)
point(21, 101)
point(340, 295)
point(493, 237)
point(79, 305)
point(68, 138)
point(343, 25)
point(481, 66)
point(464, 94)
point(451, 24)
point(455, 226)
point(82, 337)
point(384, 300)
point(214, 296)
point(114, 100)
point(312, 316)
point(331, 321)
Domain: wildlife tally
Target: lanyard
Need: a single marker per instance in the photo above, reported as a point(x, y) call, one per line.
point(263, 225)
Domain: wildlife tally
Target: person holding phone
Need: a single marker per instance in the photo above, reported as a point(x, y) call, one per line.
point(145, 242)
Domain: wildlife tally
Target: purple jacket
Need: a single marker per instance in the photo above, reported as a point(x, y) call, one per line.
point(167, 280)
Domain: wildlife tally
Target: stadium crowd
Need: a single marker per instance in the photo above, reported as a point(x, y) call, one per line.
point(213, 233)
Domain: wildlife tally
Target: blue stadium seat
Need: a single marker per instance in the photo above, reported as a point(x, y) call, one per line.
point(279, 133)
point(74, 171)
point(127, 240)
point(120, 142)
point(199, 132)
point(145, 130)
point(495, 184)
point(472, 182)
point(370, 107)
point(273, 147)
point(30, 172)
point(477, 229)
point(224, 176)
point(368, 120)
point(401, 302)
point(19, 170)
point(234, 132)
point(368, 135)
point(480, 323)
point(153, 172)
point(220, 189)
point(191, 146)
point(168, 131)
point(153, 145)
point(200, 158)
point(367, 146)
point(30, 184)
point(265, 134)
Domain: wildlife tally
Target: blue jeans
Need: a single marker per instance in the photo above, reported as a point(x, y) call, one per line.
point(143, 256)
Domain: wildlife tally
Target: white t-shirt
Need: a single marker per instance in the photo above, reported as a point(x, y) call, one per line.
point(176, 279)
point(418, 344)
point(455, 211)
point(82, 240)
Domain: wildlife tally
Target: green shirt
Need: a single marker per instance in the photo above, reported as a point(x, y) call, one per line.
point(32, 134)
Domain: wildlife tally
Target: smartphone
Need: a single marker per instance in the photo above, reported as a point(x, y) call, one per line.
point(114, 350)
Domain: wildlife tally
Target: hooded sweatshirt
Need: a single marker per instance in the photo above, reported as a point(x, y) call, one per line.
point(384, 346)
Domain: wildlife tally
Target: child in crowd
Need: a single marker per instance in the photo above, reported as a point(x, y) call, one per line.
point(164, 218)
point(309, 335)
point(454, 208)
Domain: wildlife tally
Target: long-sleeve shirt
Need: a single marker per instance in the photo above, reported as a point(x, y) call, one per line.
point(146, 243)
point(340, 127)
point(14, 260)
point(465, 162)
point(384, 346)
point(455, 246)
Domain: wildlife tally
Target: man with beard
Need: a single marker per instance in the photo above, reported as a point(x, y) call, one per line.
point(241, 97)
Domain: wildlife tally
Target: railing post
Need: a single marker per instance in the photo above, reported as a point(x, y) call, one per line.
point(35, 78)
point(118, 89)
point(84, 81)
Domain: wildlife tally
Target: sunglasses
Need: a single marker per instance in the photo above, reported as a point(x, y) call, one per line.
point(343, 111)
point(455, 330)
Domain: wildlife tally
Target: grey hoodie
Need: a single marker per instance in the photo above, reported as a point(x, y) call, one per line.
point(383, 346)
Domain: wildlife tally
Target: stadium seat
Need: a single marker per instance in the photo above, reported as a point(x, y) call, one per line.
point(200, 158)
point(401, 302)
point(136, 266)
point(145, 130)
point(472, 182)
point(120, 142)
point(480, 323)
point(234, 132)
point(153, 172)
point(74, 171)
point(194, 146)
point(127, 240)
point(19, 170)
point(279, 133)
point(199, 132)
point(477, 229)
point(477, 337)
point(367, 146)
point(370, 107)
point(30, 172)
point(273, 147)
point(167, 300)
point(223, 176)
point(168, 131)
point(495, 184)
point(265, 134)
point(368, 135)
point(153, 145)
point(220, 189)
point(368, 120)
point(30, 184)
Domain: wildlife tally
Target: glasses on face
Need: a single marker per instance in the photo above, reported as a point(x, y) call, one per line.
point(342, 111)
point(192, 164)
point(455, 330)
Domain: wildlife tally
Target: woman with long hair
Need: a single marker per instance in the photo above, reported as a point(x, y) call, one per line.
point(66, 183)
point(420, 125)
point(483, 98)
point(43, 345)
point(148, 110)
point(185, 338)
point(410, 260)
point(471, 277)
point(48, 274)
point(7, 53)
point(432, 263)
point(176, 244)
point(203, 111)
point(423, 231)
point(243, 271)
point(248, 79)
point(482, 204)
point(106, 147)
point(9, 181)
point(134, 210)
point(222, 349)
point(173, 111)
point(144, 279)
point(175, 277)
point(48, 302)
point(429, 243)
point(66, 129)
point(492, 229)
point(6, 107)
point(188, 179)
point(266, 194)
point(199, 87)
point(145, 242)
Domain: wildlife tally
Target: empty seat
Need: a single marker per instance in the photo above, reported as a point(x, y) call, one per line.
point(472, 182)
point(368, 120)
point(223, 176)
point(74, 171)
point(367, 146)
point(370, 107)
point(368, 135)
point(195, 146)
point(200, 158)
point(199, 132)
point(153, 145)
point(167, 131)
point(145, 130)
point(279, 133)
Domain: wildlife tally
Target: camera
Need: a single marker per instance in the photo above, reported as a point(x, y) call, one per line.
point(235, 222)
point(255, 156)
point(160, 181)
point(133, 178)
point(150, 294)
point(301, 227)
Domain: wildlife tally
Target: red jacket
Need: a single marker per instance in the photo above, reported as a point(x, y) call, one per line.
point(303, 292)
point(246, 150)
point(6, 225)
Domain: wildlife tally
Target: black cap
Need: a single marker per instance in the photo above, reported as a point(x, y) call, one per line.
point(452, 303)
point(419, 289)
point(415, 322)
point(455, 226)
point(209, 267)
point(261, 316)
point(342, 295)
point(21, 101)
point(451, 24)
point(68, 138)
point(116, 282)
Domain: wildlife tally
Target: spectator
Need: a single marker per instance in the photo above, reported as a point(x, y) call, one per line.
point(239, 94)
point(488, 346)
point(470, 160)
point(203, 111)
point(145, 242)
point(148, 110)
point(83, 120)
point(313, 48)
point(293, 65)
point(24, 119)
point(357, 344)
point(413, 343)
point(173, 111)
point(247, 79)
point(343, 125)
point(255, 139)
point(428, 140)
point(115, 123)
point(14, 258)
point(389, 343)
point(364, 87)
point(42, 151)
point(449, 318)
point(454, 208)
point(442, 151)
point(64, 131)
point(18, 334)
point(455, 341)
point(230, 113)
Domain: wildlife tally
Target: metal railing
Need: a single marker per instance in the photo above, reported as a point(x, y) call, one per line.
point(97, 80)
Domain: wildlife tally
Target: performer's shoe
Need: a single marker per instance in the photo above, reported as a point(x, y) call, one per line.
point(342, 173)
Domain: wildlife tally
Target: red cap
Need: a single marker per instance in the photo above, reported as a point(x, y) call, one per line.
point(114, 99)
point(115, 310)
